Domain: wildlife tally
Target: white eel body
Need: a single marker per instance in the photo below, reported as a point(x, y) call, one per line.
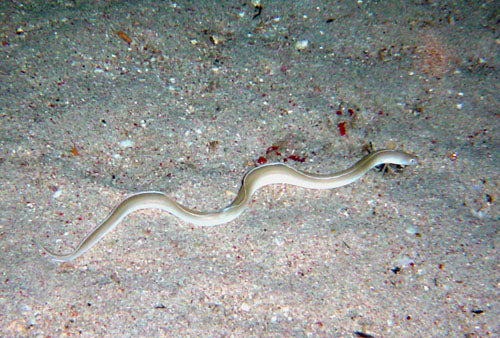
point(254, 179)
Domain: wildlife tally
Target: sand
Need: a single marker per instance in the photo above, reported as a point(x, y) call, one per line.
point(100, 99)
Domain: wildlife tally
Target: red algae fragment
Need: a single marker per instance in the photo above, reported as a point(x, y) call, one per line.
point(74, 151)
point(341, 127)
point(296, 158)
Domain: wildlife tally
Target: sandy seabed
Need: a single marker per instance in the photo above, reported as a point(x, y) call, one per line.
point(100, 99)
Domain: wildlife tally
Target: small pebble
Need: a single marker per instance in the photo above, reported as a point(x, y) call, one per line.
point(412, 230)
point(403, 262)
point(278, 241)
point(126, 144)
point(301, 44)
point(57, 194)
